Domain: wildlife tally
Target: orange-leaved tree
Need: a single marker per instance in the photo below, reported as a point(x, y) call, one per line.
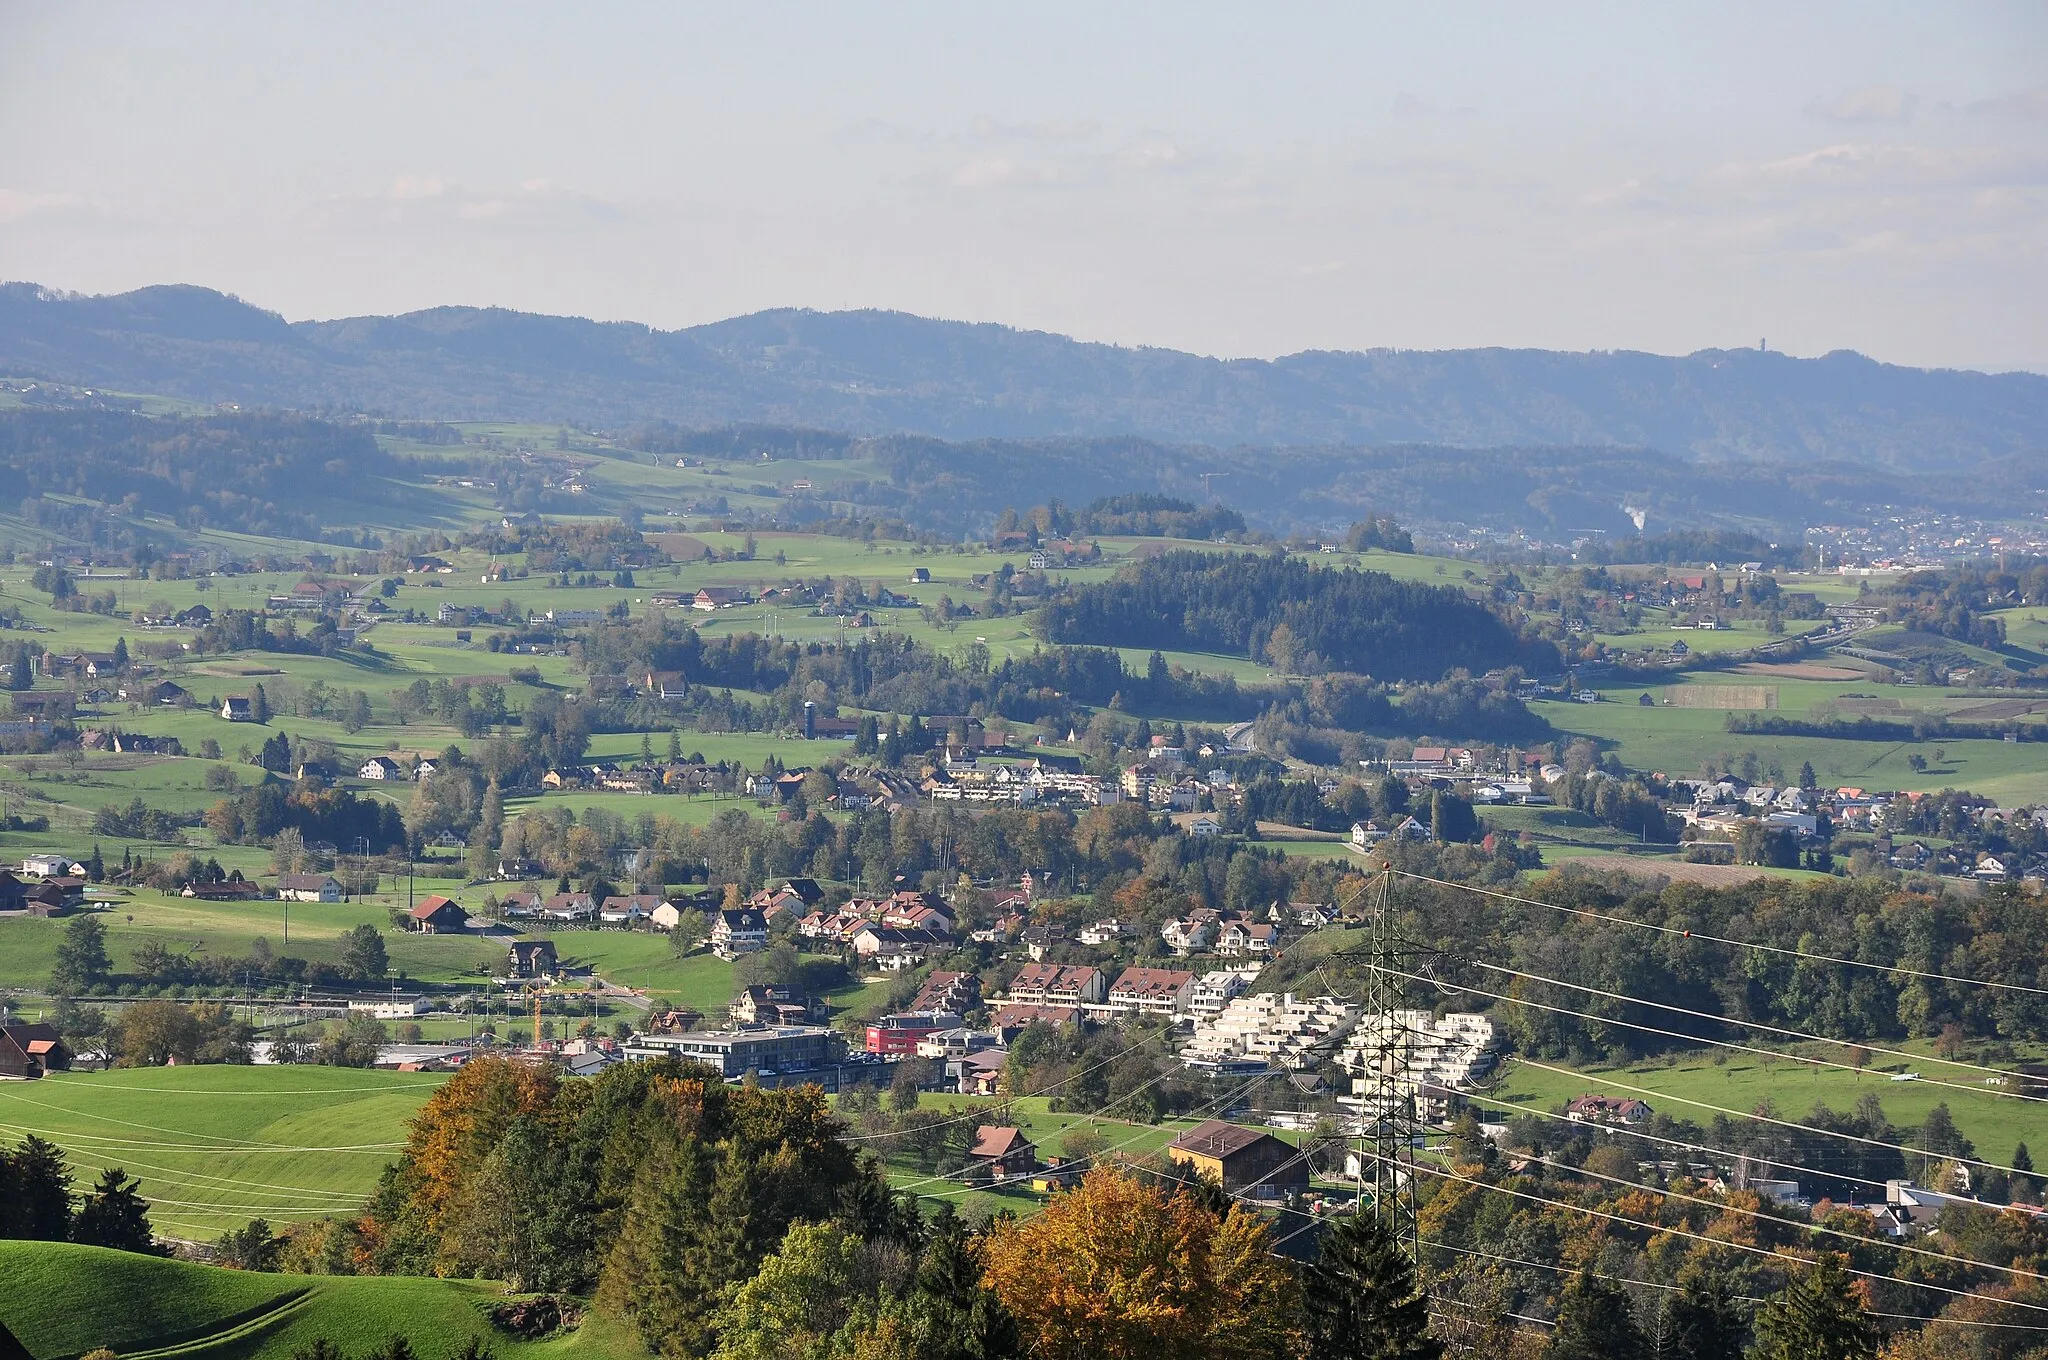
point(1116, 1269)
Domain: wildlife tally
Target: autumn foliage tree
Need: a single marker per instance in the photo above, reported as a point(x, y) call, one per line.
point(1116, 1269)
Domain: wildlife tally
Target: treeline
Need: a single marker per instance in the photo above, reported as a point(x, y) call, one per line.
point(1999, 936)
point(1299, 618)
point(334, 814)
point(1923, 727)
point(1693, 547)
point(1961, 602)
point(893, 673)
point(1145, 515)
point(252, 473)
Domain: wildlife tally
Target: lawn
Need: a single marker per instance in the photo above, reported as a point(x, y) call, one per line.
point(216, 1146)
point(64, 1300)
point(28, 944)
point(1995, 1123)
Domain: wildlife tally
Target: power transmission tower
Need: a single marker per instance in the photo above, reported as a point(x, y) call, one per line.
point(1389, 1109)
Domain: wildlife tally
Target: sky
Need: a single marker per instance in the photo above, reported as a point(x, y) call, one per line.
point(1245, 180)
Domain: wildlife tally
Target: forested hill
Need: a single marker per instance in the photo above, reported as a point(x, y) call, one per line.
point(1299, 617)
point(875, 372)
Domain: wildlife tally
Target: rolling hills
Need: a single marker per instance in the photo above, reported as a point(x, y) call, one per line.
point(872, 372)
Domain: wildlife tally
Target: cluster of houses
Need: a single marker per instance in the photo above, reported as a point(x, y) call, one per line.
point(891, 934)
point(46, 885)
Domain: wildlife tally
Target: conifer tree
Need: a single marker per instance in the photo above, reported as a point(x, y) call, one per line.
point(1817, 1316)
point(1594, 1322)
point(1702, 1323)
point(35, 1192)
point(1360, 1300)
point(114, 1215)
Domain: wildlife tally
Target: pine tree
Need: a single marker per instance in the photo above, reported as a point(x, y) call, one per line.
point(1817, 1316)
point(1702, 1323)
point(21, 672)
point(1594, 1323)
point(36, 1203)
point(1360, 1300)
point(113, 1215)
point(259, 706)
point(2024, 1184)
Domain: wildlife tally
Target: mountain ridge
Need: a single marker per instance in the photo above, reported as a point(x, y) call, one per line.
point(874, 372)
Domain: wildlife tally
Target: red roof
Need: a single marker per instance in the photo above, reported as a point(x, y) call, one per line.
point(991, 1141)
point(428, 906)
point(1150, 982)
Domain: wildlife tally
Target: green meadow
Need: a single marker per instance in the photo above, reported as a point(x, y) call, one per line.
point(217, 1146)
point(1995, 1122)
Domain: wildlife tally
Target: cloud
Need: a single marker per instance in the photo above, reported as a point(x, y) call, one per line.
point(1000, 172)
point(1409, 107)
point(23, 206)
point(1074, 169)
point(990, 129)
point(2024, 104)
point(433, 200)
point(1865, 165)
point(19, 206)
point(1866, 104)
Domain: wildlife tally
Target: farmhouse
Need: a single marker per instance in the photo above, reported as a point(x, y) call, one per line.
point(438, 916)
point(238, 708)
point(1002, 1153)
point(28, 1051)
point(308, 888)
point(380, 768)
point(1244, 1160)
point(719, 597)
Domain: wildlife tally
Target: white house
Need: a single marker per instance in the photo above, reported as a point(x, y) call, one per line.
point(308, 888)
point(737, 931)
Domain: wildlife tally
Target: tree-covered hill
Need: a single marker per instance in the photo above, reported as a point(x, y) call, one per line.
point(1298, 616)
point(872, 372)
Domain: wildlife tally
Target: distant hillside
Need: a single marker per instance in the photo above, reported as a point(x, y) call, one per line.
point(887, 372)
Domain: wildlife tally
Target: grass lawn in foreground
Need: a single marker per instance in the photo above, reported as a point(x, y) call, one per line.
point(64, 1300)
point(216, 1146)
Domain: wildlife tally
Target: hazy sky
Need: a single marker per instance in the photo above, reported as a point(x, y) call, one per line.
point(1246, 180)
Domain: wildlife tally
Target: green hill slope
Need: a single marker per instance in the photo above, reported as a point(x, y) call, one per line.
point(217, 1146)
point(63, 1300)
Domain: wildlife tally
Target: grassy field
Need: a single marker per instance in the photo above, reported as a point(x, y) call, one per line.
point(64, 1300)
point(1995, 1123)
point(217, 1146)
point(1679, 741)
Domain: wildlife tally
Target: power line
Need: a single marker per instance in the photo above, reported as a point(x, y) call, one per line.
point(1613, 919)
point(1679, 1034)
point(1684, 1146)
point(1597, 1080)
point(1767, 1218)
point(1722, 1109)
point(1754, 1024)
point(1744, 1298)
point(975, 1114)
point(1732, 1245)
